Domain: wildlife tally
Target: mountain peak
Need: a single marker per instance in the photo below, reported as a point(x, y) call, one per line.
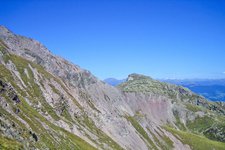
point(135, 76)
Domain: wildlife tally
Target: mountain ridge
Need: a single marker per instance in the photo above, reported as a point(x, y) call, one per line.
point(211, 89)
point(49, 103)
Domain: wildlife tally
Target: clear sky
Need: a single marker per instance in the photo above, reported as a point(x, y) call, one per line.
point(113, 38)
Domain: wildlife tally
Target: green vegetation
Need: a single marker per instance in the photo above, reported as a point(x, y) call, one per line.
point(140, 130)
point(103, 138)
point(3, 51)
point(54, 89)
point(53, 138)
point(6, 76)
point(196, 142)
point(169, 143)
point(33, 89)
point(216, 132)
point(49, 137)
point(193, 108)
point(164, 142)
point(146, 85)
point(11, 118)
point(9, 144)
point(200, 124)
point(178, 123)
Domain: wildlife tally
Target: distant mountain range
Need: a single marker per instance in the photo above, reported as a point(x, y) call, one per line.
point(113, 81)
point(212, 89)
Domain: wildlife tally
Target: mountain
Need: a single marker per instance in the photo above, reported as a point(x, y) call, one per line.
point(113, 81)
point(212, 89)
point(46, 102)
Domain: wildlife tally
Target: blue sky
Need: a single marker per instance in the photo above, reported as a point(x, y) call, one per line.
point(113, 38)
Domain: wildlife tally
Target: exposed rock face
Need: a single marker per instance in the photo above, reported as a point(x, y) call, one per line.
point(49, 103)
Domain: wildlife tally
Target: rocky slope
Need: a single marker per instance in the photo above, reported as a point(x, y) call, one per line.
point(49, 103)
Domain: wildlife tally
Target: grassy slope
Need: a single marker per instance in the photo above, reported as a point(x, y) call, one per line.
point(164, 142)
point(33, 118)
point(198, 126)
point(141, 131)
point(196, 142)
point(9, 144)
point(46, 138)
